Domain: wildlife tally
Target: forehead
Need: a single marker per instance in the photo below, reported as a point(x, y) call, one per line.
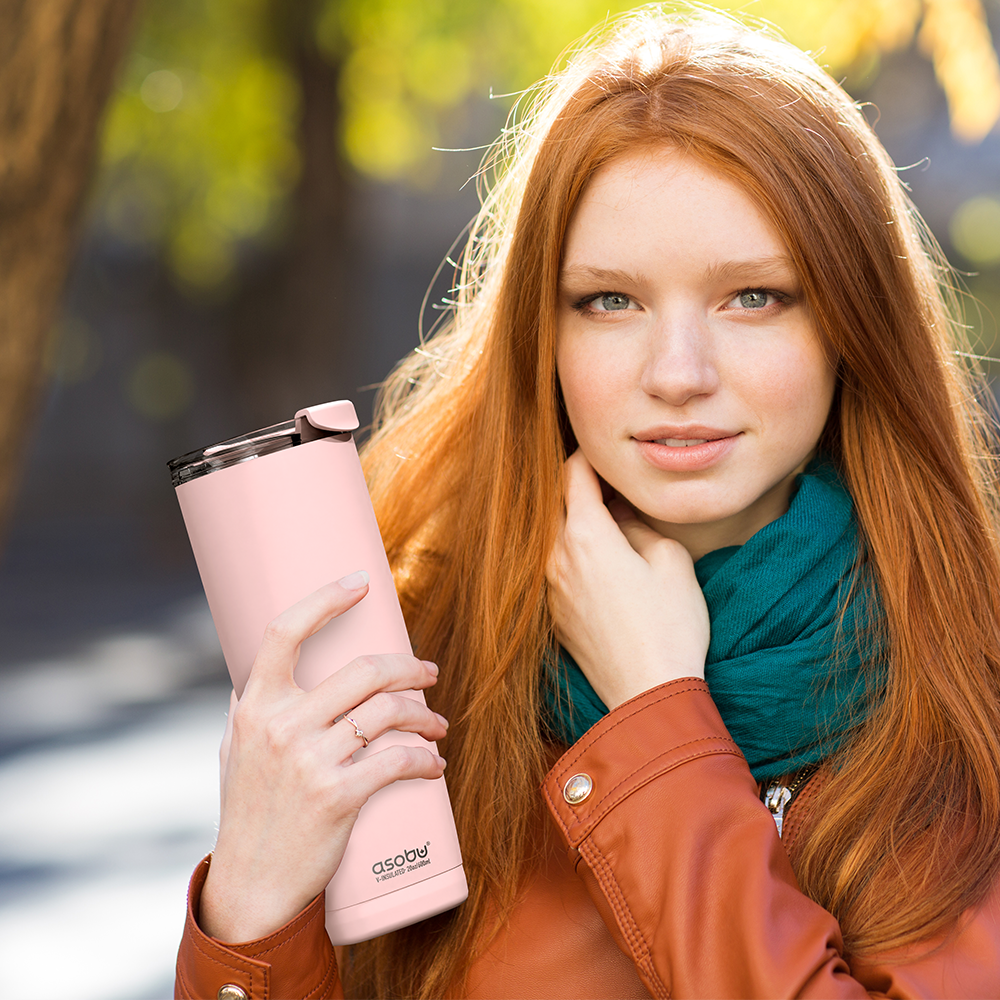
point(657, 200)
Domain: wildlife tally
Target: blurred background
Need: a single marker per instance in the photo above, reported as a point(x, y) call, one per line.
point(213, 213)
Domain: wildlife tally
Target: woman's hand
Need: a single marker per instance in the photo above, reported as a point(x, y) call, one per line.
point(625, 600)
point(290, 790)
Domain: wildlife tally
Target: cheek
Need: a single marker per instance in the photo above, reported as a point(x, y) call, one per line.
point(594, 386)
point(787, 380)
point(801, 392)
point(581, 393)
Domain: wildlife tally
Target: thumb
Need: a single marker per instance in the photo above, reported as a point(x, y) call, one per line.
point(582, 486)
point(274, 666)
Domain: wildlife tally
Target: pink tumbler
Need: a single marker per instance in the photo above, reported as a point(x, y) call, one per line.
point(273, 516)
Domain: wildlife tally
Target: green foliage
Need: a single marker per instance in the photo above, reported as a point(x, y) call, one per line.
point(408, 64)
point(200, 145)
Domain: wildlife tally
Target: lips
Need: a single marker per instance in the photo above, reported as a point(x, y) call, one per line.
point(683, 436)
point(688, 449)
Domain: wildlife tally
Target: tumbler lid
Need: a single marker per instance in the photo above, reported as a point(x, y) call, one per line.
point(339, 416)
point(311, 423)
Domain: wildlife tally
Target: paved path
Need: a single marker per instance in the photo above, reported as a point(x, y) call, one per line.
point(108, 798)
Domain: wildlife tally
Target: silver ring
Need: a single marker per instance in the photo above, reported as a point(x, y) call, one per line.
point(358, 731)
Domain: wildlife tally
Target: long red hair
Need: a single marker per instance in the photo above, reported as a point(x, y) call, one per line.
point(465, 471)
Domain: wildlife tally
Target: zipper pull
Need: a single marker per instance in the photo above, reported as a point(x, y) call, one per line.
point(776, 798)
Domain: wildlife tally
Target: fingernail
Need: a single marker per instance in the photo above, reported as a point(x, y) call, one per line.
point(442, 720)
point(432, 667)
point(441, 760)
point(354, 581)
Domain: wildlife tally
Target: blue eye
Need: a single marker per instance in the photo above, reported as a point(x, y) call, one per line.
point(613, 301)
point(753, 298)
point(605, 302)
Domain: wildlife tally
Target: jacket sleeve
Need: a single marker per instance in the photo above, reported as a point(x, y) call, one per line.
point(294, 963)
point(685, 865)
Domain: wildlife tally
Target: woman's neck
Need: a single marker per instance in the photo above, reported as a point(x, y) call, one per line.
point(702, 537)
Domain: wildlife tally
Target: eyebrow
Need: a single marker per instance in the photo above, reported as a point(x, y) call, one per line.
point(770, 264)
point(759, 266)
point(602, 276)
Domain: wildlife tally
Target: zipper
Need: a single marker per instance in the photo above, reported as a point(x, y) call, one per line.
point(778, 797)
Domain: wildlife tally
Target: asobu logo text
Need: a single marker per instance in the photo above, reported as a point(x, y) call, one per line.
point(406, 861)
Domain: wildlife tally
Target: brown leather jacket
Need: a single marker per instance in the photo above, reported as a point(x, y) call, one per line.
point(671, 881)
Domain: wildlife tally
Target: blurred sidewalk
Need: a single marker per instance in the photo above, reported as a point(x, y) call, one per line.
point(108, 798)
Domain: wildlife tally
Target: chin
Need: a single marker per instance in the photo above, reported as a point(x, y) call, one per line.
point(690, 519)
point(687, 513)
point(690, 503)
point(729, 513)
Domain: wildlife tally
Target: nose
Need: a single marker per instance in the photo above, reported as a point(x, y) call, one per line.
point(680, 362)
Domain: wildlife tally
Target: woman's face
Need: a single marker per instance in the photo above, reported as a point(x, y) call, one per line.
point(689, 362)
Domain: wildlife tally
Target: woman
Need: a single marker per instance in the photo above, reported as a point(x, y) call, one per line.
point(698, 415)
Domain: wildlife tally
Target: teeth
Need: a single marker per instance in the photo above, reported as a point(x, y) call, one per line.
point(679, 442)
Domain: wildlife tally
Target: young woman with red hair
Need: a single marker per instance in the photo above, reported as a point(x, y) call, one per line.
point(691, 500)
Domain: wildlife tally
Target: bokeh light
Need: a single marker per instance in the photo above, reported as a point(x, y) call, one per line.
point(975, 230)
point(160, 386)
point(209, 107)
point(162, 90)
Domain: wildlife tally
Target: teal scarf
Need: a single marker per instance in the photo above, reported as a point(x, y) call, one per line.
point(790, 679)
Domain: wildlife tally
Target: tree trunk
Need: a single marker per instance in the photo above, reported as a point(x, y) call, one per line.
point(288, 324)
point(58, 62)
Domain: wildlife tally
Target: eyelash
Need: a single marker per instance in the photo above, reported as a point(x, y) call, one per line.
point(783, 298)
point(581, 304)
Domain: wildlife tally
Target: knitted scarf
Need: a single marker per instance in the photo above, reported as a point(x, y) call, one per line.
point(790, 676)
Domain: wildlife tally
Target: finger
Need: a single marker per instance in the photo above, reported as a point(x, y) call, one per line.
point(553, 562)
point(395, 763)
point(586, 508)
point(382, 713)
point(279, 648)
point(583, 487)
point(639, 534)
point(647, 542)
point(362, 678)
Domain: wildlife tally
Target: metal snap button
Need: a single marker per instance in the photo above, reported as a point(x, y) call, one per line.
point(232, 992)
point(578, 788)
